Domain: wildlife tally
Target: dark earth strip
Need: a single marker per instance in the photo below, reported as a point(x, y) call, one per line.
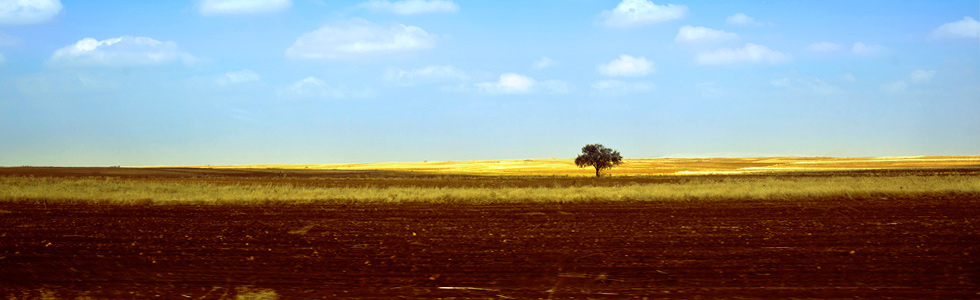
point(827, 248)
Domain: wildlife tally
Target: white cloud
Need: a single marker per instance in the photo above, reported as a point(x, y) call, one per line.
point(242, 7)
point(509, 83)
point(966, 28)
point(691, 34)
point(895, 87)
point(922, 76)
point(412, 7)
point(427, 74)
point(627, 65)
point(867, 50)
point(848, 77)
point(750, 53)
point(238, 77)
point(316, 88)
point(620, 88)
point(26, 12)
point(823, 47)
point(358, 37)
point(633, 13)
point(544, 62)
point(742, 20)
point(121, 51)
point(512, 83)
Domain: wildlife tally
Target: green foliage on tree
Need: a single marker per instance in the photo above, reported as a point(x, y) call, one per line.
point(599, 157)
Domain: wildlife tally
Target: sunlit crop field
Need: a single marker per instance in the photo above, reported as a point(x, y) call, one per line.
point(658, 166)
point(519, 181)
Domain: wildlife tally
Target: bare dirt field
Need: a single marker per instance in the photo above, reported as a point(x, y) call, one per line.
point(818, 248)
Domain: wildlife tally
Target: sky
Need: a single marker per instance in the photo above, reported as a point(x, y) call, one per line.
point(210, 82)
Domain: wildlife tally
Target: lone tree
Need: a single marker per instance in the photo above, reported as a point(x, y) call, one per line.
point(598, 156)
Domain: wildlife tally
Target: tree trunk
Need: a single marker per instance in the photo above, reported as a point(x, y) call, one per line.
point(597, 172)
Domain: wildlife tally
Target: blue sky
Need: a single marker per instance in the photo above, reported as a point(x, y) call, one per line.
point(314, 81)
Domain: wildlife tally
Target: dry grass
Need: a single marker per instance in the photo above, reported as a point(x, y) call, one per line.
point(121, 191)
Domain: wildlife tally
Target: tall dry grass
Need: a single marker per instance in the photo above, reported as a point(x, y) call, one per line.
point(120, 191)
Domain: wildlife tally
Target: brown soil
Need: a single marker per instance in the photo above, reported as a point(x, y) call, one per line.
point(816, 248)
point(919, 248)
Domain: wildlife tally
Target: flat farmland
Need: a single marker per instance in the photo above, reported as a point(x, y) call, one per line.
point(902, 232)
point(646, 166)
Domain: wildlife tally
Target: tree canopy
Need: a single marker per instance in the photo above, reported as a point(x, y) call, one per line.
point(599, 157)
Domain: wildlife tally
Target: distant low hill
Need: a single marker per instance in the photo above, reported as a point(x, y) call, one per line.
point(645, 166)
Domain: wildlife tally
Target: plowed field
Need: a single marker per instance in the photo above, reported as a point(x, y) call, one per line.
point(825, 248)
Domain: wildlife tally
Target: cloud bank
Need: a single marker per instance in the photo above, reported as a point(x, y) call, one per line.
point(691, 34)
point(634, 13)
point(966, 28)
point(27, 12)
point(121, 51)
point(358, 38)
point(628, 66)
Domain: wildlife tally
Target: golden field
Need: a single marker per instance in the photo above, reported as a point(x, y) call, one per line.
point(504, 181)
point(647, 166)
